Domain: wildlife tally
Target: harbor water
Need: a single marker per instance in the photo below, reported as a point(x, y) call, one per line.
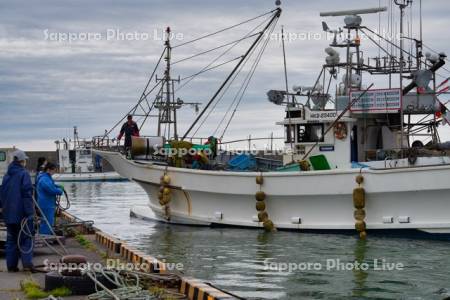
point(282, 265)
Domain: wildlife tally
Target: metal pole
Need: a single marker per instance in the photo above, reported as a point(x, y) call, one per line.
point(271, 142)
point(402, 8)
point(348, 70)
point(401, 75)
point(421, 28)
point(284, 61)
point(168, 108)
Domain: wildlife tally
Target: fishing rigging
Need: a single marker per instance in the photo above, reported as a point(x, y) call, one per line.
point(164, 105)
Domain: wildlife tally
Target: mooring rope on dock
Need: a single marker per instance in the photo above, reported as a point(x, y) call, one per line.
point(26, 230)
point(131, 285)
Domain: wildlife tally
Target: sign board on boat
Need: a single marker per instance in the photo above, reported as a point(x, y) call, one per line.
point(377, 101)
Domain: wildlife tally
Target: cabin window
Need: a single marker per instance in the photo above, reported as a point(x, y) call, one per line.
point(294, 114)
point(85, 152)
point(290, 133)
point(310, 133)
point(2, 156)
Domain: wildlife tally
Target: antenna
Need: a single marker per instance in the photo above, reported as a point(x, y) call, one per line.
point(353, 12)
point(326, 28)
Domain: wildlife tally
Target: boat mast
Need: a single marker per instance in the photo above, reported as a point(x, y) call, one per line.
point(76, 142)
point(165, 101)
point(402, 5)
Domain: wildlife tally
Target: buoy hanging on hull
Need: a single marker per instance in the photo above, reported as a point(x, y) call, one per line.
point(260, 197)
point(359, 203)
point(165, 195)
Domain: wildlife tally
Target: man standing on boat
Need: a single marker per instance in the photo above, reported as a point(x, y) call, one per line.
point(16, 197)
point(129, 128)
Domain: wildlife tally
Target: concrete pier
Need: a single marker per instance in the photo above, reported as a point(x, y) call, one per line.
point(10, 282)
point(100, 248)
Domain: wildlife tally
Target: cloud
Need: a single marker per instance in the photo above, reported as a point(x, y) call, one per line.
point(48, 84)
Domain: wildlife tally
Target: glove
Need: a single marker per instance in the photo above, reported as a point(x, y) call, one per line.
point(61, 187)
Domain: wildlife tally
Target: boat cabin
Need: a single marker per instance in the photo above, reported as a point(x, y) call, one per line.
point(305, 131)
point(5, 160)
point(366, 132)
point(75, 160)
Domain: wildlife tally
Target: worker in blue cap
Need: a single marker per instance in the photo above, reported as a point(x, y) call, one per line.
point(16, 196)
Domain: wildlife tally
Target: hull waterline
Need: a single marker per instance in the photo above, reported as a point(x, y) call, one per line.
point(396, 199)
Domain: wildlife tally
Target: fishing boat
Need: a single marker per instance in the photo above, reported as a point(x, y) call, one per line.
point(362, 147)
point(76, 162)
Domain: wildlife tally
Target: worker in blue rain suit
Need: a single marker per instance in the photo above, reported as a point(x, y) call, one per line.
point(16, 196)
point(47, 192)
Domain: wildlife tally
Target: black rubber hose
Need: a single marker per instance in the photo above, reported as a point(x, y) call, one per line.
point(58, 202)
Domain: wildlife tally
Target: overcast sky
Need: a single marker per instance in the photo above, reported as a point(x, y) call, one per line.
point(48, 84)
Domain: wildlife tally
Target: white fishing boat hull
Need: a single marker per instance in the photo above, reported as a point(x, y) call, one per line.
point(88, 176)
point(398, 198)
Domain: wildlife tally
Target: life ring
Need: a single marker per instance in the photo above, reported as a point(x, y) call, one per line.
point(340, 131)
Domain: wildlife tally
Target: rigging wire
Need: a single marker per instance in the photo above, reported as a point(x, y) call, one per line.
point(150, 108)
point(215, 48)
point(142, 98)
point(211, 68)
point(242, 86)
point(251, 73)
point(275, 16)
point(382, 38)
point(153, 73)
point(228, 86)
point(130, 111)
point(397, 47)
point(386, 51)
point(223, 54)
point(224, 29)
point(223, 92)
point(394, 45)
point(234, 100)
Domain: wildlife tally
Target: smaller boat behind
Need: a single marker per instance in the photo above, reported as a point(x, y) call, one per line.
point(77, 162)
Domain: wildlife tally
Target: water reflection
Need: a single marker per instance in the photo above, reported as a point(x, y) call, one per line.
point(236, 259)
point(360, 275)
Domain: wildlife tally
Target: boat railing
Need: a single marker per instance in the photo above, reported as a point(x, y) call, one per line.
point(106, 143)
point(113, 144)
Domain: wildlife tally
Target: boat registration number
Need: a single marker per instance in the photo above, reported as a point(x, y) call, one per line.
point(323, 115)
